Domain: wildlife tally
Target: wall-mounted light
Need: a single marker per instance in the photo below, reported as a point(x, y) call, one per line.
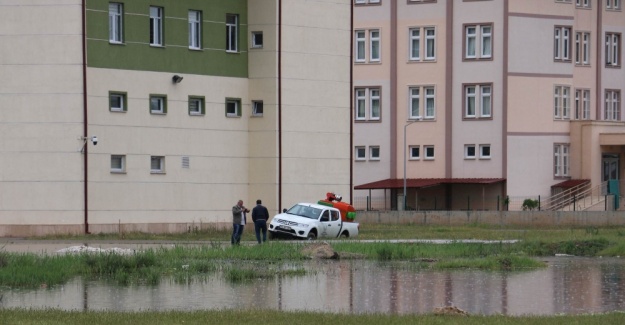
point(93, 138)
point(176, 79)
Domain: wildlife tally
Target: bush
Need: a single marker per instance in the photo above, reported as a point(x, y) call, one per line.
point(529, 204)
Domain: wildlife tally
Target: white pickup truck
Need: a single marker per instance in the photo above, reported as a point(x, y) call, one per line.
point(311, 221)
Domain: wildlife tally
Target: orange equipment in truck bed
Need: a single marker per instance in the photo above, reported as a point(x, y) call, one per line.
point(348, 213)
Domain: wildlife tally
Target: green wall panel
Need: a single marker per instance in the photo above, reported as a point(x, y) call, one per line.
point(137, 54)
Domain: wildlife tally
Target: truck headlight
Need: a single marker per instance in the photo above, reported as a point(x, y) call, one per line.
point(304, 225)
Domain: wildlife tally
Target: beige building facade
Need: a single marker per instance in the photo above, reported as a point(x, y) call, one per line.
point(100, 134)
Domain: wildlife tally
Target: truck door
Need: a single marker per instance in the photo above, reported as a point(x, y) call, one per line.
point(331, 223)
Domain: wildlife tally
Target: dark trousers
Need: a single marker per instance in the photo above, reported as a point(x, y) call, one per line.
point(258, 226)
point(237, 232)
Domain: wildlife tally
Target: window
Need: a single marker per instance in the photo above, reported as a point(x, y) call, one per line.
point(416, 35)
point(469, 151)
point(156, 26)
point(257, 40)
point(361, 153)
point(157, 165)
point(613, 4)
point(374, 45)
point(374, 153)
point(564, 1)
point(257, 108)
point(429, 152)
point(484, 151)
point(422, 97)
point(158, 104)
point(233, 107)
point(561, 160)
point(612, 108)
point(364, 2)
point(562, 43)
point(118, 164)
point(115, 22)
point(478, 101)
point(582, 104)
point(232, 33)
point(196, 105)
point(117, 102)
point(612, 49)
point(420, 1)
point(582, 48)
point(478, 41)
point(561, 102)
point(367, 104)
point(360, 45)
point(195, 29)
point(582, 3)
point(415, 152)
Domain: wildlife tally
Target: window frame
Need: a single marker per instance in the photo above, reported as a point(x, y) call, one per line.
point(372, 156)
point(367, 2)
point(255, 105)
point(124, 101)
point(562, 102)
point(561, 160)
point(232, 34)
point(254, 39)
point(161, 165)
point(360, 47)
point(612, 49)
point(482, 148)
point(609, 5)
point(202, 105)
point(428, 152)
point(467, 154)
point(582, 104)
point(116, 23)
point(612, 105)
point(375, 55)
point(583, 4)
point(562, 43)
point(237, 107)
point(163, 104)
point(360, 153)
point(195, 29)
point(157, 38)
point(429, 39)
point(364, 99)
point(582, 48)
point(479, 38)
point(412, 149)
point(122, 162)
point(423, 98)
point(478, 99)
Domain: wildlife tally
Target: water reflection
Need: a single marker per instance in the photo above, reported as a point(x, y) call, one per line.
point(567, 286)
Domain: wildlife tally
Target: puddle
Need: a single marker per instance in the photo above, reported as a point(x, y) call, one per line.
point(567, 286)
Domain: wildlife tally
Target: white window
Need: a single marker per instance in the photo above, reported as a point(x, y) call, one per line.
point(117, 102)
point(613, 4)
point(367, 104)
point(478, 41)
point(582, 48)
point(196, 105)
point(257, 108)
point(429, 152)
point(156, 26)
point(158, 104)
point(195, 29)
point(257, 40)
point(157, 165)
point(233, 107)
point(469, 151)
point(561, 102)
point(115, 22)
point(612, 108)
point(484, 151)
point(415, 152)
point(362, 2)
point(582, 104)
point(374, 153)
point(612, 49)
point(415, 44)
point(422, 102)
point(582, 3)
point(374, 45)
point(360, 54)
point(118, 164)
point(478, 101)
point(561, 160)
point(361, 153)
point(232, 43)
point(562, 43)
point(430, 44)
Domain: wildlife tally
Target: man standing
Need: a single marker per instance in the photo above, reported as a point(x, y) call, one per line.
point(238, 222)
point(260, 215)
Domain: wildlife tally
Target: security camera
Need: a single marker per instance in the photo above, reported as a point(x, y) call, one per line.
point(94, 139)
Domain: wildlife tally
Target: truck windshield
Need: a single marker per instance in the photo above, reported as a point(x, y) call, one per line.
point(305, 211)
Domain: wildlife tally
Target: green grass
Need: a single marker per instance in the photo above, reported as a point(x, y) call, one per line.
point(253, 317)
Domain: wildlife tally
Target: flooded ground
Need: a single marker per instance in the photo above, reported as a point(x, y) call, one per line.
point(568, 285)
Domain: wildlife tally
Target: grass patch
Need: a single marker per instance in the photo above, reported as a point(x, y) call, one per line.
point(253, 317)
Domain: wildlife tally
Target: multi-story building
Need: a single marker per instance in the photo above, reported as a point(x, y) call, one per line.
point(192, 104)
point(461, 103)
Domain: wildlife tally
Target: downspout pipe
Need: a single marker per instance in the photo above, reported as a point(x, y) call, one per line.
point(279, 105)
point(84, 122)
point(351, 107)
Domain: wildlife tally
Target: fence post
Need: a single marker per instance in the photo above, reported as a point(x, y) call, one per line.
point(539, 203)
point(497, 202)
point(368, 203)
point(574, 204)
point(468, 202)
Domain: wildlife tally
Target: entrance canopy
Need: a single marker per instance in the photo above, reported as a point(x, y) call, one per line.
point(397, 183)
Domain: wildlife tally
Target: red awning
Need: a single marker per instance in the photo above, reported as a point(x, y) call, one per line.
point(571, 183)
point(424, 182)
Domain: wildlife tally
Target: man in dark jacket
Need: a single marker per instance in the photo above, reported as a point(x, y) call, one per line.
point(260, 215)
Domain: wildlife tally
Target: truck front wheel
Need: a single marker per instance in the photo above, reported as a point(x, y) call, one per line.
point(311, 236)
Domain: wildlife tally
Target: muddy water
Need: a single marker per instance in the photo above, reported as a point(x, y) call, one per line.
point(566, 286)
